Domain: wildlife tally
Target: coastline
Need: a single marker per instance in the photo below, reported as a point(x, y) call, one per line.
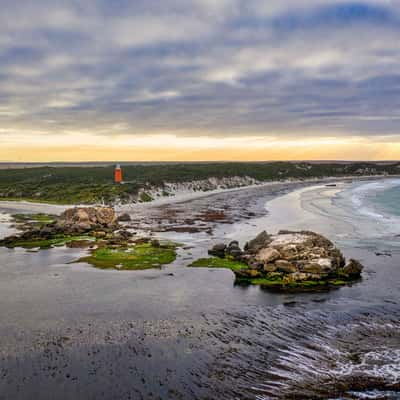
point(32, 206)
point(149, 322)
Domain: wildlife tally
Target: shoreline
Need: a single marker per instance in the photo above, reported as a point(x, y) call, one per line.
point(31, 206)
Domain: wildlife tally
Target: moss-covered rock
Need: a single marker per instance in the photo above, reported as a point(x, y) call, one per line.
point(38, 220)
point(215, 262)
point(44, 243)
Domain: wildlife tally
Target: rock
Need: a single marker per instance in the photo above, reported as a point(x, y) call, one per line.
point(46, 232)
point(234, 250)
point(274, 275)
point(79, 244)
point(142, 240)
point(385, 253)
point(285, 266)
point(319, 252)
point(80, 227)
point(255, 265)
point(353, 268)
point(290, 251)
point(270, 268)
point(249, 273)
point(312, 268)
point(260, 241)
point(83, 219)
point(125, 217)
point(246, 258)
point(122, 234)
point(318, 266)
point(155, 243)
point(235, 253)
point(218, 250)
point(299, 256)
point(326, 264)
point(337, 257)
point(268, 255)
point(99, 234)
point(296, 277)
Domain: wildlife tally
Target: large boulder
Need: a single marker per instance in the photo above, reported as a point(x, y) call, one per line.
point(285, 266)
point(268, 255)
point(83, 219)
point(218, 250)
point(259, 242)
point(318, 266)
point(233, 250)
point(353, 268)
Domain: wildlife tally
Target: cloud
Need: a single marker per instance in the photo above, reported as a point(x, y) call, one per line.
point(217, 68)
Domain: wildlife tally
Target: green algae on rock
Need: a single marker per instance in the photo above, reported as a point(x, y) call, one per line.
point(39, 217)
point(42, 243)
point(138, 256)
point(215, 262)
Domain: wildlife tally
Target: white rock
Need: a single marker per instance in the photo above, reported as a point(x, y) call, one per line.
point(268, 255)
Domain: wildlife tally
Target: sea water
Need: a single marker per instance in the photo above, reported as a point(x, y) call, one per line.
point(384, 198)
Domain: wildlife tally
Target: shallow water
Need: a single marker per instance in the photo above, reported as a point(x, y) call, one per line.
point(184, 333)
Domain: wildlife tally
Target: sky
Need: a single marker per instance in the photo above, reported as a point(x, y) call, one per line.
point(199, 80)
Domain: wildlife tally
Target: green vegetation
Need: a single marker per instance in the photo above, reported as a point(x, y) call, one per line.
point(145, 197)
point(55, 241)
point(137, 257)
point(246, 275)
point(214, 262)
point(38, 220)
point(279, 283)
point(89, 185)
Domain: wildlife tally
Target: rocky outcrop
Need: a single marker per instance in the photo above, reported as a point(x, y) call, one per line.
point(83, 219)
point(291, 258)
point(233, 250)
point(353, 268)
point(77, 223)
point(218, 250)
point(259, 242)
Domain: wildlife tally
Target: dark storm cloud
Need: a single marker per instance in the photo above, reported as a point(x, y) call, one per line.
point(228, 67)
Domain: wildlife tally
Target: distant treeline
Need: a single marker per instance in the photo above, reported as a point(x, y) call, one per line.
point(69, 185)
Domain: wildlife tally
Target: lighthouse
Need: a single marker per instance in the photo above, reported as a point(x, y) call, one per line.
point(118, 174)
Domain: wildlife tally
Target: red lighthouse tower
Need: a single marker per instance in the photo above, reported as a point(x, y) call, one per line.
point(118, 174)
